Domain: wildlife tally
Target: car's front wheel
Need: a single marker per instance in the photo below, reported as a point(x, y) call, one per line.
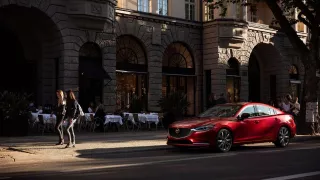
point(283, 138)
point(224, 140)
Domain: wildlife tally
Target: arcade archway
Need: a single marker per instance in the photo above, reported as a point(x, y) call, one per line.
point(91, 75)
point(178, 72)
point(132, 74)
point(265, 70)
point(30, 43)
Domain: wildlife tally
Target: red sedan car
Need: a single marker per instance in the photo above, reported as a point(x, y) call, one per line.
point(223, 126)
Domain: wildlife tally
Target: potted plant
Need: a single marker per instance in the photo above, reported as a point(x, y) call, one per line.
point(174, 106)
point(14, 113)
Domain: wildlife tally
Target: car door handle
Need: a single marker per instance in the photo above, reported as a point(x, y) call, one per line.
point(256, 121)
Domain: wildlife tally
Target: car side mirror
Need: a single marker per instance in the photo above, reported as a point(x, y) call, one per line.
point(244, 116)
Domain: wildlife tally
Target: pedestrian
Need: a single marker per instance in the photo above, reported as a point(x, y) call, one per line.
point(295, 109)
point(60, 113)
point(72, 112)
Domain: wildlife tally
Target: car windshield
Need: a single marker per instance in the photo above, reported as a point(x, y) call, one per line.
point(221, 111)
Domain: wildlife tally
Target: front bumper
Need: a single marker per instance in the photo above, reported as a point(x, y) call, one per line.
point(193, 139)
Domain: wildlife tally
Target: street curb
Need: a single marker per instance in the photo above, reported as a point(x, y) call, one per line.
point(305, 138)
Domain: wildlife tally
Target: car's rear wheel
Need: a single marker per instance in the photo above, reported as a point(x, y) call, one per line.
point(283, 138)
point(224, 140)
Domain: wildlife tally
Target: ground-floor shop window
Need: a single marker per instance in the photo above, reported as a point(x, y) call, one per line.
point(233, 88)
point(131, 87)
point(184, 84)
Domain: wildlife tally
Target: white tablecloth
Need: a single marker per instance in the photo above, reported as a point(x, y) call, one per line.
point(152, 117)
point(87, 116)
point(113, 119)
point(47, 118)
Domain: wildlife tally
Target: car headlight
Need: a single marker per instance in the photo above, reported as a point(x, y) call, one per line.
point(203, 128)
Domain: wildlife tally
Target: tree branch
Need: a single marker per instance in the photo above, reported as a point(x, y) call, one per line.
point(304, 20)
point(286, 27)
point(305, 10)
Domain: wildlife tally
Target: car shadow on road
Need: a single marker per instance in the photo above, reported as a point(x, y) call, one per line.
point(145, 152)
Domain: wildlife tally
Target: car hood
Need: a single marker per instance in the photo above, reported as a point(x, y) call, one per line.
point(196, 122)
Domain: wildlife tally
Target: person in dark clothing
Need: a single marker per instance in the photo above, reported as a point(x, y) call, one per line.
point(72, 113)
point(60, 113)
point(211, 101)
point(221, 99)
point(99, 117)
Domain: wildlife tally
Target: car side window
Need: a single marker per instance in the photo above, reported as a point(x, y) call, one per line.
point(264, 110)
point(250, 110)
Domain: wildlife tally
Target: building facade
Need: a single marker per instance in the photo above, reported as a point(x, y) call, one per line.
point(112, 51)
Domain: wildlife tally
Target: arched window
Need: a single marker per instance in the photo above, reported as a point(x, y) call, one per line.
point(179, 72)
point(293, 72)
point(233, 69)
point(132, 79)
point(131, 55)
point(295, 83)
point(90, 50)
point(233, 80)
point(177, 59)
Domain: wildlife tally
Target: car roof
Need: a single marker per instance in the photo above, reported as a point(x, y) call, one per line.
point(246, 103)
point(237, 103)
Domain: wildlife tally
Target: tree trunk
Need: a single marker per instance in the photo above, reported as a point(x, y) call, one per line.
point(309, 103)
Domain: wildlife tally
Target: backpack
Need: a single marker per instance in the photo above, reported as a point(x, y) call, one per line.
point(79, 110)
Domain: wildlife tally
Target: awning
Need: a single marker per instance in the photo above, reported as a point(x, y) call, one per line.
point(93, 71)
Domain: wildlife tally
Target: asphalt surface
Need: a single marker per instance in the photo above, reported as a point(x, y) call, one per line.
point(255, 162)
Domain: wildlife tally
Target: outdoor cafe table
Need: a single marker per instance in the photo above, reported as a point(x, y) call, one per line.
point(107, 119)
point(152, 117)
point(47, 118)
point(113, 119)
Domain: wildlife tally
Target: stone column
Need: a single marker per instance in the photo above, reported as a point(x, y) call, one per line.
point(245, 12)
point(155, 79)
point(244, 89)
point(69, 72)
point(109, 64)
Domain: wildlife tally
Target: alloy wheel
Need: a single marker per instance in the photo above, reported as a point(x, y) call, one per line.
point(284, 136)
point(224, 140)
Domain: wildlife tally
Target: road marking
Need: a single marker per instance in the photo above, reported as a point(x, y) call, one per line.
point(295, 176)
point(151, 162)
point(286, 149)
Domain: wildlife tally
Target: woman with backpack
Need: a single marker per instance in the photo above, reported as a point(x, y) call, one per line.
point(73, 111)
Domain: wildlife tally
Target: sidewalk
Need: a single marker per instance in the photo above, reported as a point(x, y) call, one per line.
point(35, 148)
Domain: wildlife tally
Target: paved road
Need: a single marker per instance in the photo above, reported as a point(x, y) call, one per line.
point(299, 161)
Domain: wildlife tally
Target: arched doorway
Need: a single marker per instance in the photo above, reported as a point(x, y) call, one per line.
point(179, 72)
point(233, 80)
point(264, 69)
point(13, 63)
point(30, 43)
point(132, 74)
point(254, 79)
point(91, 75)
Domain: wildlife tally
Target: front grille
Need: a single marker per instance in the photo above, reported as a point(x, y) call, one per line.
point(179, 132)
